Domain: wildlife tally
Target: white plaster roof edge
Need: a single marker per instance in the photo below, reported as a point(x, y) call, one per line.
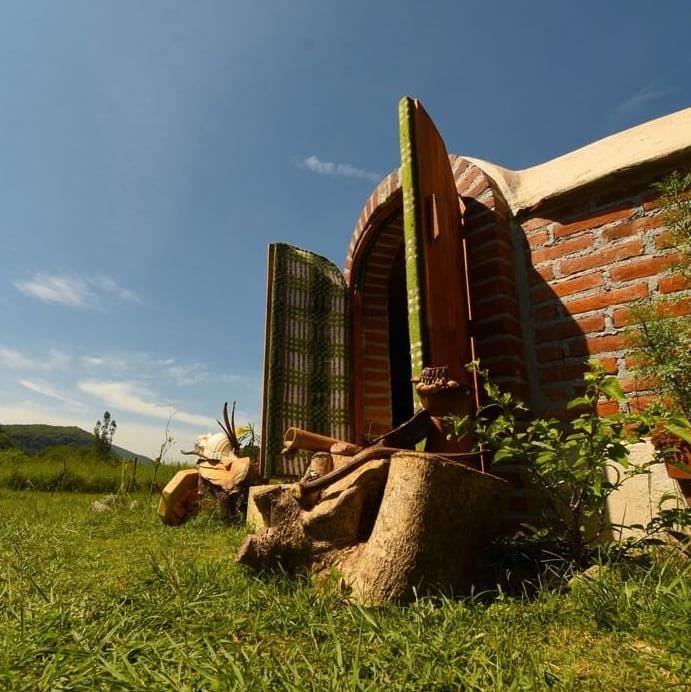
point(652, 141)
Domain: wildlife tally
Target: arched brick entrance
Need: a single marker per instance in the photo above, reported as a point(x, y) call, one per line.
point(373, 272)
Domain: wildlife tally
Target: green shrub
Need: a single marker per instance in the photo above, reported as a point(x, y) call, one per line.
point(660, 339)
point(567, 462)
point(661, 346)
point(675, 203)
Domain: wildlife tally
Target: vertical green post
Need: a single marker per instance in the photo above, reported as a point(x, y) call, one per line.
point(412, 233)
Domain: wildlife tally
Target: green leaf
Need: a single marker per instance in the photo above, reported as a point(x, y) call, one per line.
point(597, 485)
point(578, 402)
point(503, 454)
point(619, 452)
point(612, 388)
point(681, 432)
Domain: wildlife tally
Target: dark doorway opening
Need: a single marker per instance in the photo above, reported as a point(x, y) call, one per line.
point(399, 343)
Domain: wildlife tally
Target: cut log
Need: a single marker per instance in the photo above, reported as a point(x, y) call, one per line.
point(179, 499)
point(296, 438)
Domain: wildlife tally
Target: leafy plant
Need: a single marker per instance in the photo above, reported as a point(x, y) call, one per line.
point(675, 202)
point(661, 346)
point(661, 337)
point(568, 462)
point(248, 439)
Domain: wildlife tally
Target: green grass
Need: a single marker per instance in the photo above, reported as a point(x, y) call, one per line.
point(72, 470)
point(117, 601)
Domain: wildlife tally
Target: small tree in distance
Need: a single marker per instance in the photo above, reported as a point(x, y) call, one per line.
point(104, 431)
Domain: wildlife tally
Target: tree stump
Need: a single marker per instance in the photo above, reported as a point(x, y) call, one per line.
point(393, 528)
point(433, 518)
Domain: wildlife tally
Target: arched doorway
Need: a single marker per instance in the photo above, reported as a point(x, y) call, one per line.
point(382, 394)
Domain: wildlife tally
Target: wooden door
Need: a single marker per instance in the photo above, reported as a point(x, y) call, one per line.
point(306, 353)
point(435, 266)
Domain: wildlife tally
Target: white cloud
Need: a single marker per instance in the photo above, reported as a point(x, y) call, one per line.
point(16, 360)
point(185, 374)
point(74, 291)
point(45, 388)
point(243, 381)
point(314, 164)
point(93, 360)
point(106, 284)
point(128, 384)
point(122, 366)
point(641, 97)
point(126, 396)
point(145, 366)
point(57, 289)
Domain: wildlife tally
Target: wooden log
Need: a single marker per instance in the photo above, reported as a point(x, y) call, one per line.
point(179, 499)
point(407, 434)
point(296, 438)
point(433, 517)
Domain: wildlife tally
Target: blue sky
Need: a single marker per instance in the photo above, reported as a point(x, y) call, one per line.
point(151, 151)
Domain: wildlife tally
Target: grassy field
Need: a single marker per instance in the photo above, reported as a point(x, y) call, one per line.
point(73, 470)
point(117, 601)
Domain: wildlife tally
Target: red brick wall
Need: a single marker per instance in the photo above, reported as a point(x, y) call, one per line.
point(374, 377)
point(585, 263)
point(494, 289)
point(549, 288)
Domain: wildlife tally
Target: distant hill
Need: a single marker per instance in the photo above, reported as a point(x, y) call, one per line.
point(33, 438)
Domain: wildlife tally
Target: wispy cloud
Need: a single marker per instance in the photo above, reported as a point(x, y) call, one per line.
point(314, 164)
point(107, 285)
point(74, 291)
point(121, 366)
point(16, 360)
point(65, 290)
point(193, 373)
point(44, 388)
point(143, 365)
point(93, 360)
point(127, 396)
point(642, 97)
point(244, 381)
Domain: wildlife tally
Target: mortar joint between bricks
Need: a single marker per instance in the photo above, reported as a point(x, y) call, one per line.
point(649, 239)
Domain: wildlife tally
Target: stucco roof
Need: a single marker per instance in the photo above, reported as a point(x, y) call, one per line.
point(648, 143)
